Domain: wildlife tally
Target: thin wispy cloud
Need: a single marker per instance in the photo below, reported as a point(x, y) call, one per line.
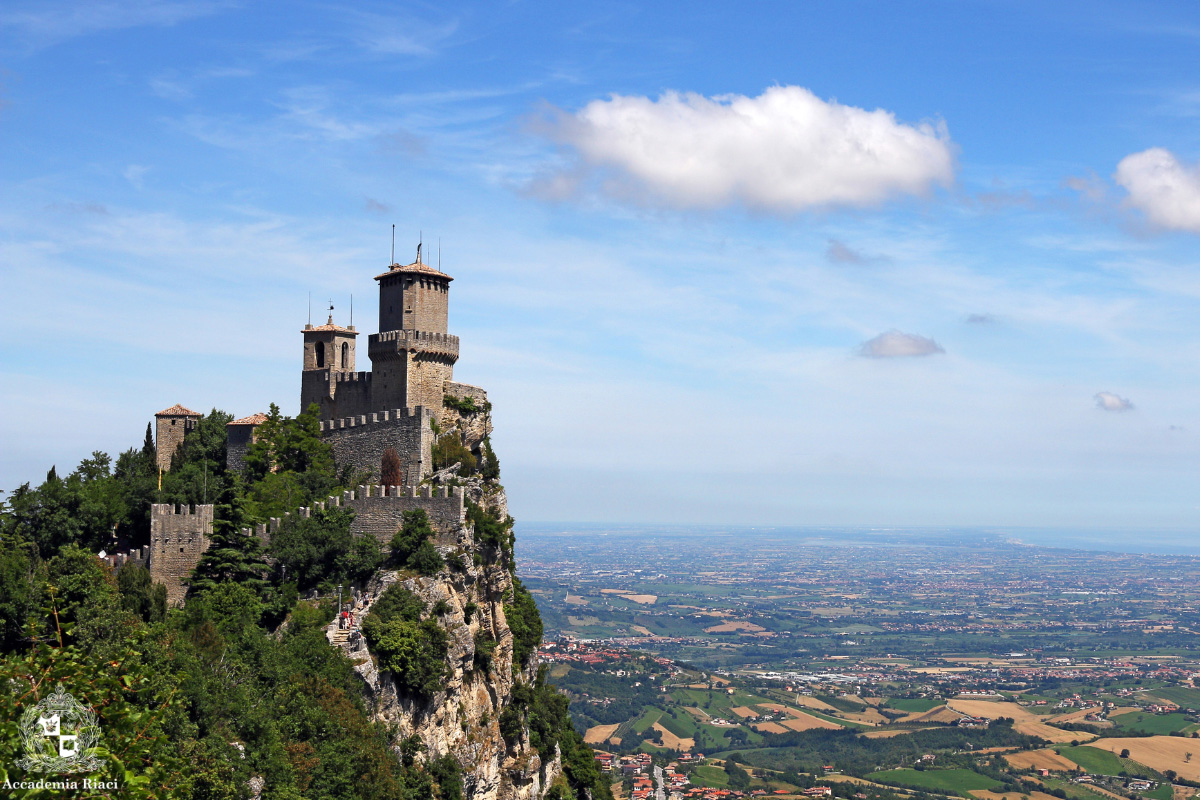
point(40, 24)
point(897, 344)
point(785, 151)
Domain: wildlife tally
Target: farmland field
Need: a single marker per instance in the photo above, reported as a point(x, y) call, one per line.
point(1144, 722)
point(1160, 753)
point(946, 780)
point(917, 705)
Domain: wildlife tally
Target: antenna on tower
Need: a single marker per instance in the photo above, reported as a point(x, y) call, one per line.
point(439, 254)
point(393, 261)
point(331, 311)
point(420, 241)
point(310, 308)
point(351, 311)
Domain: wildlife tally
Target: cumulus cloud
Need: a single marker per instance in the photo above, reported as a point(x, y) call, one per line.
point(1166, 190)
point(1107, 401)
point(784, 151)
point(897, 344)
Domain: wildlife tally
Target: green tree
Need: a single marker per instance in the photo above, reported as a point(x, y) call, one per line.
point(411, 546)
point(525, 623)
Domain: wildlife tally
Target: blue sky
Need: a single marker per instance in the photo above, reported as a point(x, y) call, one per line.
point(793, 263)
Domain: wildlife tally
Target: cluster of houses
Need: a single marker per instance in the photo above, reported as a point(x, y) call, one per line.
point(637, 764)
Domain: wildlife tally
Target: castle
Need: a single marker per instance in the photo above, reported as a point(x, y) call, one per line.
point(394, 405)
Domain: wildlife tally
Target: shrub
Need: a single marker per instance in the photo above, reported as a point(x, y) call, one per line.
point(464, 404)
point(491, 465)
point(524, 622)
point(489, 529)
point(448, 450)
point(469, 611)
point(413, 650)
point(485, 646)
point(411, 548)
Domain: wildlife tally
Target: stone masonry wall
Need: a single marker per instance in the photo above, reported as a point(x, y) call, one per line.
point(360, 441)
point(378, 512)
point(237, 441)
point(178, 537)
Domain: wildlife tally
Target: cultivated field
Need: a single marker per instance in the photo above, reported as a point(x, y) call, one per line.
point(984, 794)
point(1159, 752)
point(1025, 721)
point(734, 627)
point(600, 734)
point(769, 727)
point(1040, 759)
point(807, 722)
point(671, 741)
point(938, 714)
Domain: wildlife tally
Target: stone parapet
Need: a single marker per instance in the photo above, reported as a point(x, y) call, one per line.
point(392, 343)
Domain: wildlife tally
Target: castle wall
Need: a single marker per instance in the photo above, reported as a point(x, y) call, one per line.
point(337, 393)
point(427, 377)
point(178, 537)
point(359, 441)
point(379, 512)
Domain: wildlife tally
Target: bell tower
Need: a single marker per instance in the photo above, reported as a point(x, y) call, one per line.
point(329, 353)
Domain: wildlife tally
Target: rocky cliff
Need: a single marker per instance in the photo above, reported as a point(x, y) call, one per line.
point(479, 711)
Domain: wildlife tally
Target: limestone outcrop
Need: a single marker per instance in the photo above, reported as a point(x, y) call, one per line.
point(467, 597)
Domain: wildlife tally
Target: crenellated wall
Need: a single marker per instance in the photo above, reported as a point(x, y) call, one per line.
point(359, 441)
point(179, 535)
point(378, 511)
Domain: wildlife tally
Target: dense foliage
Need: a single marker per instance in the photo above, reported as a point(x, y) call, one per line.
point(412, 546)
point(524, 622)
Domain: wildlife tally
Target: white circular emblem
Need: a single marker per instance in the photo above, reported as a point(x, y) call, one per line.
point(60, 735)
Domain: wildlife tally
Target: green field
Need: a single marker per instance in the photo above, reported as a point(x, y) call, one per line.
point(1103, 762)
point(945, 780)
point(1185, 698)
point(1160, 724)
point(914, 705)
point(648, 718)
point(1163, 791)
point(709, 775)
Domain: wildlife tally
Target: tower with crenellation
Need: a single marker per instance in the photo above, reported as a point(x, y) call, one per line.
point(412, 373)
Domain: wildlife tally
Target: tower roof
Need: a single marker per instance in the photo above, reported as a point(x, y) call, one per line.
point(253, 419)
point(178, 411)
point(330, 327)
point(415, 268)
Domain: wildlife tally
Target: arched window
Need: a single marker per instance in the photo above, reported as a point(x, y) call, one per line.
point(345, 354)
point(320, 355)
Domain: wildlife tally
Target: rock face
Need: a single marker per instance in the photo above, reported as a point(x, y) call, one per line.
point(463, 718)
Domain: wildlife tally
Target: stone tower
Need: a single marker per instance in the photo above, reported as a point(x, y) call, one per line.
point(395, 405)
point(329, 354)
point(170, 426)
point(413, 355)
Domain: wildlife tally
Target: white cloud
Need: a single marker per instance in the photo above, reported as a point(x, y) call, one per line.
point(896, 344)
point(1107, 401)
point(784, 151)
point(1161, 187)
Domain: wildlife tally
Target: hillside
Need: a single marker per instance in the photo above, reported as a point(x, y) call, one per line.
point(252, 688)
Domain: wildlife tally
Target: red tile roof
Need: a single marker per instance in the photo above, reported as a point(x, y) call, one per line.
point(253, 419)
point(178, 411)
point(421, 269)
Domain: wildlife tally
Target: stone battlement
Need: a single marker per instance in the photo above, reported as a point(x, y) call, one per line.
point(373, 418)
point(379, 345)
point(179, 535)
point(347, 377)
point(378, 511)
